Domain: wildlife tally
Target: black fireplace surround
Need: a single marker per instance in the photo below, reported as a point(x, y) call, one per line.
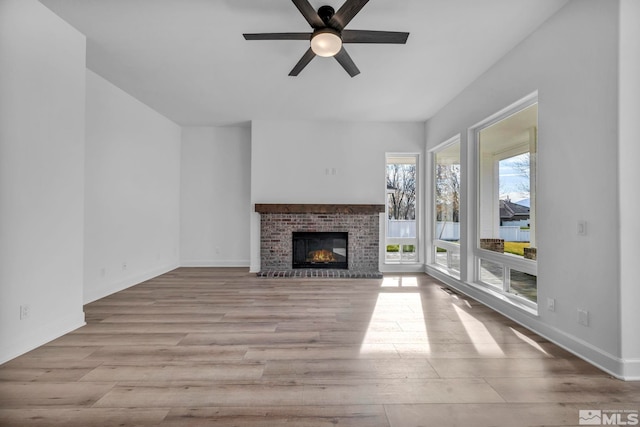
point(320, 250)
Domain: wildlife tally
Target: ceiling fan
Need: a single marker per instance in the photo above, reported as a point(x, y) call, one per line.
point(329, 34)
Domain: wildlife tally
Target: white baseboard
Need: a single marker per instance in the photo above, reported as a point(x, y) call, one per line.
point(91, 295)
point(214, 263)
point(631, 369)
point(40, 336)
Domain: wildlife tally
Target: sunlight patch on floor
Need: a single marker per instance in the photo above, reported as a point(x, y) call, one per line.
point(400, 282)
point(392, 306)
point(479, 335)
point(529, 341)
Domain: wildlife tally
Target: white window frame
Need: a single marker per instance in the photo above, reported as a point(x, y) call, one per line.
point(403, 240)
point(508, 262)
point(451, 248)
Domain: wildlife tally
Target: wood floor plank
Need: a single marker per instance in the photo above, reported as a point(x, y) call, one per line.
point(81, 417)
point(512, 367)
point(193, 395)
point(43, 394)
point(153, 353)
point(51, 352)
point(475, 350)
point(334, 326)
point(393, 391)
point(568, 389)
point(118, 339)
point(298, 416)
point(337, 369)
point(251, 338)
point(181, 328)
point(484, 415)
point(220, 346)
point(380, 351)
point(164, 318)
point(175, 372)
point(24, 369)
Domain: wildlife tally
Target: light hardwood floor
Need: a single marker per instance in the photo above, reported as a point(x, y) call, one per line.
point(209, 347)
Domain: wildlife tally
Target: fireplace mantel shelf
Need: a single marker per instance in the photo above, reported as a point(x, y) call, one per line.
point(318, 208)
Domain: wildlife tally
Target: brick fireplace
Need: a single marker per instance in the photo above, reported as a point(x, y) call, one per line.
point(278, 222)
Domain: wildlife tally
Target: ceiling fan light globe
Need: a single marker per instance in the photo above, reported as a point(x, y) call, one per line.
point(326, 43)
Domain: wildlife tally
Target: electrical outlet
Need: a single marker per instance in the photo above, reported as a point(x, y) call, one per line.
point(583, 317)
point(582, 228)
point(551, 304)
point(25, 311)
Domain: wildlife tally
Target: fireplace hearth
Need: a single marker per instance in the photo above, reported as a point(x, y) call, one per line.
point(320, 250)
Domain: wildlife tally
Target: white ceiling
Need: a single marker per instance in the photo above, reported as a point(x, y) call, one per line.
point(187, 59)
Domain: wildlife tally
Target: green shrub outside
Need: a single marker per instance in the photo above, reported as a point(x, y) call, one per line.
point(405, 248)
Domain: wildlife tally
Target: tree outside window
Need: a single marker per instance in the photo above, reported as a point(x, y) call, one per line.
point(401, 187)
point(402, 194)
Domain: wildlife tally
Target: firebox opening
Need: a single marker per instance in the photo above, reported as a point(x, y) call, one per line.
point(320, 250)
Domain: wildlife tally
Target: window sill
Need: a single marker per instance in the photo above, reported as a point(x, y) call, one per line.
point(448, 271)
point(514, 300)
point(447, 276)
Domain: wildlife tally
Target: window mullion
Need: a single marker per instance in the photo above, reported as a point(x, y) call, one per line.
point(506, 280)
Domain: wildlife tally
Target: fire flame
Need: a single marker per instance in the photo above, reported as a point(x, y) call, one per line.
point(321, 255)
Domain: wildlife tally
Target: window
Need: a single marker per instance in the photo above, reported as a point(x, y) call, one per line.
point(506, 158)
point(401, 245)
point(446, 191)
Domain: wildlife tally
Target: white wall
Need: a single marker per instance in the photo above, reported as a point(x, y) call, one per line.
point(132, 211)
point(572, 60)
point(629, 178)
point(215, 203)
point(42, 94)
point(293, 162)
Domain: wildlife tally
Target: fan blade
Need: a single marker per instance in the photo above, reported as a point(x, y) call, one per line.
point(347, 63)
point(345, 14)
point(306, 58)
point(278, 36)
point(365, 36)
point(309, 13)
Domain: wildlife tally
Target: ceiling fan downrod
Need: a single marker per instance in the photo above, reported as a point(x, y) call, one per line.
point(326, 13)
